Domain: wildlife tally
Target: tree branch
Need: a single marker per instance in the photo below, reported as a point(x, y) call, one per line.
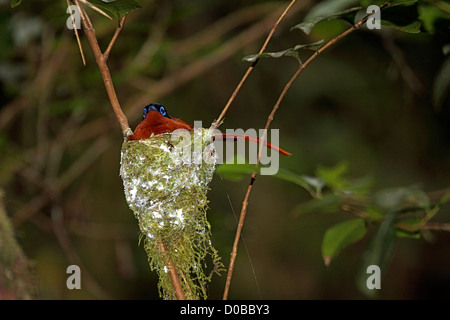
point(253, 177)
point(114, 38)
point(250, 69)
point(100, 58)
point(263, 138)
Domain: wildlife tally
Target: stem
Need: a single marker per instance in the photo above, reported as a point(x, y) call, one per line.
point(253, 176)
point(77, 36)
point(441, 226)
point(263, 138)
point(114, 38)
point(172, 273)
point(237, 236)
point(101, 59)
point(250, 69)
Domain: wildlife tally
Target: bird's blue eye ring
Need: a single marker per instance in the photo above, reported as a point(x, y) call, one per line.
point(146, 110)
point(156, 107)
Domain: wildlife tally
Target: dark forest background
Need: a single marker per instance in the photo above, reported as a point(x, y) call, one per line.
point(369, 101)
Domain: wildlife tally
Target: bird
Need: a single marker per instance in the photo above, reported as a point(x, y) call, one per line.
point(156, 120)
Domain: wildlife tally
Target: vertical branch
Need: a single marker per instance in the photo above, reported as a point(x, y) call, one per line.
point(77, 36)
point(253, 177)
point(263, 138)
point(237, 236)
point(172, 273)
point(250, 69)
point(101, 59)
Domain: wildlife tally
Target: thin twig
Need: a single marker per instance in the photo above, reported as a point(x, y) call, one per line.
point(114, 38)
point(101, 62)
point(237, 236)
point(441, 226)
point(263, 138)
point(304, 65)
point(101, 59)
point(152, 90)
point(77, 35)
point(247, 195)
point(250, 69)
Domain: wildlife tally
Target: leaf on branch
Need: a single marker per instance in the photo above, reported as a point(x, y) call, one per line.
point(291, 52)
point(379, 250)
point(236, 172)
point(346, 15)
point(118, 8)
point(328, 203)
point(334, 176)
point(340, 236)
point(311, 184)
point(412, 223)
point(400, 14)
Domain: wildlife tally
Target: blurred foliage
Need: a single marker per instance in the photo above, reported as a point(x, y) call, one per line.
point(16, 272)
point(116, 8)
point(375, 106)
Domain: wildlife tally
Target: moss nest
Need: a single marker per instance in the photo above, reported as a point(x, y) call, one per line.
point(166, 180)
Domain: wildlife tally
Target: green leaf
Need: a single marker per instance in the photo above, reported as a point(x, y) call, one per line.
point(411, 222)
point(366, 3)
point(330, 7)
point(118, 8)
point(379, 250)
point(402, 17)
point(413, 27)
point(405, 234)
point(400, 14)
point(291, 52)
point(333, 176)
point(311, 184)
point(15, 3)
point(432, 17)
point(374, 213)
point(394, 199)
point(340, 236)
point(446, 49)
point(308, 24)
point(285, 53)
point(309, 46)
point(236, 172)
point(328, 203)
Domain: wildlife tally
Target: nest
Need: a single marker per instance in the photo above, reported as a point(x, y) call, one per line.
point(166, 180)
